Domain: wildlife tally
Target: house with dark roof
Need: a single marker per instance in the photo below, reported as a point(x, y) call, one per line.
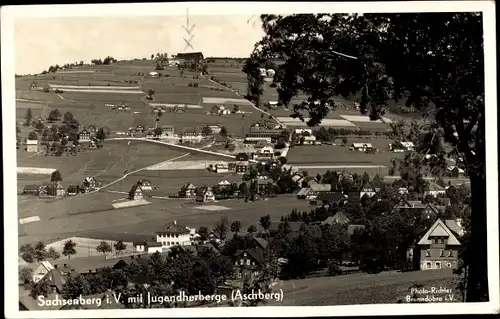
point(190, 56)
point(188, 191)
point(174, 234)
point(338, 218)
point(439, 246)
point(313, 190)
point(135, 193)
point(90, 183)
point(248, 264)
point(417, 207)
point(204, 194)
point(329, 198)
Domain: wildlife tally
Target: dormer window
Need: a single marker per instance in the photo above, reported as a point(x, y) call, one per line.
point(427, 253)
point(441, 253)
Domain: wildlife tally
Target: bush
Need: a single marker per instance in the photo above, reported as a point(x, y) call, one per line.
point(195, 85)
point(190, 84)
point(334, 268)
point(46, 90)
point(59, 91)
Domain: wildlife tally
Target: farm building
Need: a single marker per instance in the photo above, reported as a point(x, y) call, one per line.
point(153, 74)
point(205, 194)
point(190, 137)
point(135, 193)
point(312, 192)
point(434, 190)
point(84, 136)
point(401, 147)
point(167, 130)
point(190, 56)
point(148, 247)
point(270, 73)
point(31, 146)
point(361, 147)
point(308, 140)
point(188, 191)
point(174, 235)
point(55, 189)
point(255, 140)
point(35, 190)
point(270, 133)
point(455, 171)
point(302, 131)
point(221, 168)
point(272, 104)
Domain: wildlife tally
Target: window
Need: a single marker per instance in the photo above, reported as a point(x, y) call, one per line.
point(450, 253)
point(427, 253)
point(248, 262)
point(429, 265)
point(442, 240)
point(435, 241)
point(256, 273)
point(441, 253)
point(242, 261)
point(177, 243)
point(438, 265)
point(448, 265)
point(239, 275)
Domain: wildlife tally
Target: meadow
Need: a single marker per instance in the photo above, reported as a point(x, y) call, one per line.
point(337, 155)
point(108, 163)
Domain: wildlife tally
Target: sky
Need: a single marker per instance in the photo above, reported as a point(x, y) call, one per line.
point(41, 42)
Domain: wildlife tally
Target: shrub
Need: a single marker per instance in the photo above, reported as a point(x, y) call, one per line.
point(59, 91)
point(46, 90)
point(195, 85)
point(334, 268)
point(190, 84)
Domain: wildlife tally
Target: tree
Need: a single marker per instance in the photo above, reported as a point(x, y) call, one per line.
point(252, 229)
point(52, 254)
point(32, 136)
point(203, 233)
point(40, 251)
point(69, 248)
point(68, 116)
point(395, 56)
point(28, 117)
point(103, 248)
point(344, 140)
point(25, 275)
point(158, 131)
point(265, 222)
point(236, 226)
point(236, 108)
point(39, 126)
point(243, 189)
point(54, 115)
point(223, 131)
point(27, 253)
point(100, 134)
point(120, 246)
point(151, 92)
point(221, 228)
point(56, 176)
point(206, 130)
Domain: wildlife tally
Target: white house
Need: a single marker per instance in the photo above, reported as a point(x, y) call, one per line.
point(31, 146)
point(221, 168)
point(253, 140)
point(435, 190)
point(408, 146)
point(153, 74)
point(272, 104)
point(148, 247)
point(270, 73)
point(309, 140)
point(224, 184)
point(41, 270)
point(266, 151)
point(174, 235)
point(360, 147)
point(300, 131)
point(263, 72)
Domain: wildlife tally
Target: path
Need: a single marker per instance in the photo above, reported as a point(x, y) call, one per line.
point(252, 104)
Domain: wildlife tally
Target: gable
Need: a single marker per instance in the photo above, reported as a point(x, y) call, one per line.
point(439, 229)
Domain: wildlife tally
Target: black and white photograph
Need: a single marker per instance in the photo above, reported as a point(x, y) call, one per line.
point(193, 159)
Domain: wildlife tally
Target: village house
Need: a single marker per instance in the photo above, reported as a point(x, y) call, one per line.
point(306, 181)
point(265, 186)
point(31, 146)
point(308, 140)
point(84, 136)
point(255, 140)
point(188, 191)
point(361, 147)
point(92, 130)
point(145, 185)
point(303, 131)
point(274, 134)
point(312, 192)
point(338, 218)
point(266, 152)
point(369, 189)
point(35, 190)
point(56, 189)
point(455, 171)
point(90, 183)
point(249, 263)
point(328, 198)
point(136, 192)
point(428, 211)
point(148, 247)
point(167, 130)
point(205, 194)
point(221, 168)
point(272, 104)
point(401, 147)
point(174, 235)
point(40, 270)
point(439, 247)
point(191, 137)
point(242, 163)
point(153, 74)
point(214, 129)
point(434, 190)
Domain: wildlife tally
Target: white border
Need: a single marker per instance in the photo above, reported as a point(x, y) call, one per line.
point(10, 13)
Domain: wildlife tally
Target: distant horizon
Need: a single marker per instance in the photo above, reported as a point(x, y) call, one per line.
point(67, 40)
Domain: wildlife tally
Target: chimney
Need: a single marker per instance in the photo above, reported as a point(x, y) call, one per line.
point(175, 222)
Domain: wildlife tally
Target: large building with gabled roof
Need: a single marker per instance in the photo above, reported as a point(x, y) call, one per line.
point(439, 246)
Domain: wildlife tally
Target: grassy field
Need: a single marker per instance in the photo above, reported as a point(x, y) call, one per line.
point(88, 107)
point(336, 155)
point(386, 287)
point(107, 163)
point(88, 213)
